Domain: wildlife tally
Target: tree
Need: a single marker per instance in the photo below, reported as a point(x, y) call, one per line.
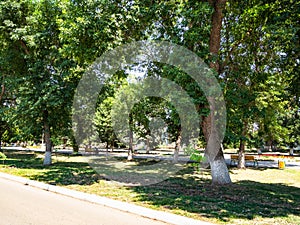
point(188, 23)
point(43, 93)
point(103, 123)
point(219, 171)
point(255, 68)
point(11, 67)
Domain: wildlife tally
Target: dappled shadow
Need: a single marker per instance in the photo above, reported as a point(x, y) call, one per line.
point(68, 173)
point(23, 159)
point(241, 200)
point(59, 173)
point(187, 190)
point(136, 171)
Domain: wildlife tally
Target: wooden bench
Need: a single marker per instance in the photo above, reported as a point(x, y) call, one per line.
point(252, 158)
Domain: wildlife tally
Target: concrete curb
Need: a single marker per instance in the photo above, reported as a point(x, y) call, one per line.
point(122, 206)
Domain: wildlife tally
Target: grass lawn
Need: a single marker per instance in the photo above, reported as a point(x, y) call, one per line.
point(257, 196)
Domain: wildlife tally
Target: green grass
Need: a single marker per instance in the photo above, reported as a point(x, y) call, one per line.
point(257, 196)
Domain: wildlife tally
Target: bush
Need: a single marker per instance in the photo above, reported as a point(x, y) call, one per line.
point(193, 153)
point(2, 156)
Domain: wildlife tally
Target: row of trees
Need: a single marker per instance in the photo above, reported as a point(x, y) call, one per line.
point(252, 46)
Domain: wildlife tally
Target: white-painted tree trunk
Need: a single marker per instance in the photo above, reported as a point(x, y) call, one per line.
point(219, 172)
point(47, 159)
point(176, 155)
point(47, 137)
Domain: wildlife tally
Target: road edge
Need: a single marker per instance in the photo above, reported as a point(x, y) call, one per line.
point(122, 206)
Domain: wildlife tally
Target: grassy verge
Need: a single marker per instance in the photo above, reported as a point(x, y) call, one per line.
point(257, 196)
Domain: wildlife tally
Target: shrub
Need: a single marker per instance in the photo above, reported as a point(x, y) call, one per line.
point(193, 153)
point(2, 156)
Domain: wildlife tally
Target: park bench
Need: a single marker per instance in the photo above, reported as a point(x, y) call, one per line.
point(252, 158)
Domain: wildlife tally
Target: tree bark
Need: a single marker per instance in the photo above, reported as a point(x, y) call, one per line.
point(241, 152)
point(47, 139)
point(213, 151)
point(0, 141)
point(219, 170)
point(177, 147)
point(112, 145)
point(2, 92)
point(74, 144)
point(130, 134)
point(2, 130)
point(130, 150)
point(215, 34)
point(147, 145)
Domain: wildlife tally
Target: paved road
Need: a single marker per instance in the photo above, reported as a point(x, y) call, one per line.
point(24, 205)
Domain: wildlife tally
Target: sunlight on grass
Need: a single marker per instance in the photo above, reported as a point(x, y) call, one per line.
point(288, 176)
point(257, 196)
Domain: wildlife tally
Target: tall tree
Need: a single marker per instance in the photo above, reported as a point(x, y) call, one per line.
point(254, 63)
point(219, 171)
point(43, 97)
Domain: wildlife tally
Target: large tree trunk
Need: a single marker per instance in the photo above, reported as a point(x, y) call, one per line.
point(213, 151)
point(47, 138)
point(219, 170)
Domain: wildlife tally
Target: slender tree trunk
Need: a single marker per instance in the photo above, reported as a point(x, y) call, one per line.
point(213, 151)
point(2, 92)
point(1, 96)
point(74, 144)
point(241, 152)
point(47, 137)
point(0, 141)
point(177, 147)
point(147, 145)
point(130, 150)
point(112, 145)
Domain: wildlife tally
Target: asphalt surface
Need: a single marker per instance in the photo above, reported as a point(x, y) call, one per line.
point(23, 205)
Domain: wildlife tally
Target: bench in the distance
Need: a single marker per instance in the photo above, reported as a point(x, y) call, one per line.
point(252, 158)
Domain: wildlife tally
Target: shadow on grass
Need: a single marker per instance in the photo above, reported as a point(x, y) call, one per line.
point(186, 191)
point(241, 200)
point(59, 173)
point(68, 173)
point(23, 160)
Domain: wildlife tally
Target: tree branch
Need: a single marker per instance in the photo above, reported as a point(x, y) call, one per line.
point(24, 46)
point(2, 92)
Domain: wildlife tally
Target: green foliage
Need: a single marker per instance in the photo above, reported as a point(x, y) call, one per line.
point(194, 153)
point(257, 70)
point(103, 122)
point(2, 156)
point(45, 47)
